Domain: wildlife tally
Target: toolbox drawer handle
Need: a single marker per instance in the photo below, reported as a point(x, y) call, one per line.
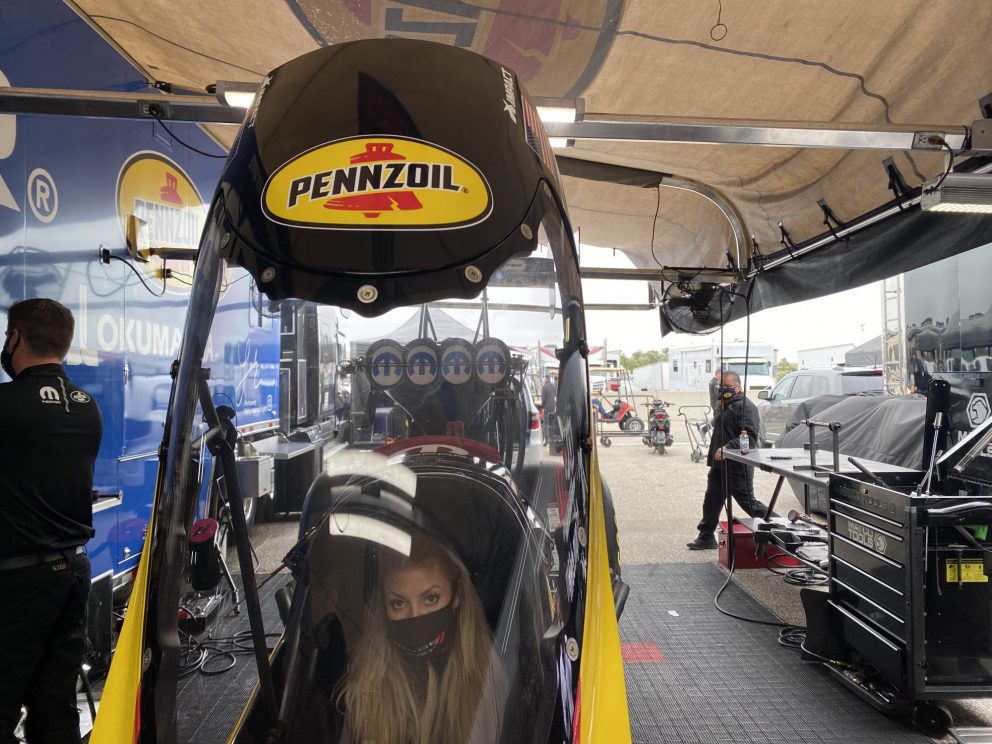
point(954, 514)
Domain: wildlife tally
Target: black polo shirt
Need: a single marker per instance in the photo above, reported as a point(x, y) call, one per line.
point(739, 414)
point(49, 439)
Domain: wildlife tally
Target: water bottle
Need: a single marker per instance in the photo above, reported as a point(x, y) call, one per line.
point(745, 442)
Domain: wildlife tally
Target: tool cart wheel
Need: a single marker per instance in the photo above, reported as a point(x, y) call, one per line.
point(605, 441)
point(696, 455)
point(931, 719)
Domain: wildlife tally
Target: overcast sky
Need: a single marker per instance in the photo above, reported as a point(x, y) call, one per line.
point(851, 317)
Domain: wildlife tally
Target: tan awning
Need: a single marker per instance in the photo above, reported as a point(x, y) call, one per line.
point(853, 61)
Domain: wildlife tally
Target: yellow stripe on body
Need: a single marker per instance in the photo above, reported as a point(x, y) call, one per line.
point(603, 715)
point(117, 717)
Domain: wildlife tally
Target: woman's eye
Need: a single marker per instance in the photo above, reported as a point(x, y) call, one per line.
point(432, 598)
point(396, 604)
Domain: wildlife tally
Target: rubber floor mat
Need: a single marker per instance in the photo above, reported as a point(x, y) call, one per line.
point(210, 699)
point(696, 675)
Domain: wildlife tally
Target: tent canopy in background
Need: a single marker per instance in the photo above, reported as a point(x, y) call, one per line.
point(864, 62)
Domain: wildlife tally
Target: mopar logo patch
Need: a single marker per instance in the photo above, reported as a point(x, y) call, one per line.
point(385, 363)
point(388, 183)
point(456, 362)
point(49, 395)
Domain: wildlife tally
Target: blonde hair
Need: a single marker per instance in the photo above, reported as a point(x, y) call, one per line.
point(379, 703)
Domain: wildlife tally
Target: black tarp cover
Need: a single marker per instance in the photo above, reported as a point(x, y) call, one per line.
point(883, 428)
point(900, 243)
point(868, 354)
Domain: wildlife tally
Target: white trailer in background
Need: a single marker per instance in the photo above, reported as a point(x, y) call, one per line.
point(651, 376)
point(693, 366)
point(822, 356)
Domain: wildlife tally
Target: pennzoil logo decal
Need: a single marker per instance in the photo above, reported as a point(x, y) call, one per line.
point(161, 194)
point(376, 183)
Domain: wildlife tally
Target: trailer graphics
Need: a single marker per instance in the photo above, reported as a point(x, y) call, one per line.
point(160, 193)
point(67, 186)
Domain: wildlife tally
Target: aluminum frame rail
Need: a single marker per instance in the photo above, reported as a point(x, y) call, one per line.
point(109, 105)
point(820, 134)
point(592, 126)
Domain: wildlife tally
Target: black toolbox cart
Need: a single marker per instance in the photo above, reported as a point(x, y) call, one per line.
point(910, 596)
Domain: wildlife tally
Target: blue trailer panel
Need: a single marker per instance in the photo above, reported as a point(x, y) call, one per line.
point(67, 186)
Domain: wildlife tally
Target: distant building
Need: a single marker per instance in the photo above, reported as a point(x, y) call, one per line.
point(823, 356)
point(651, 376)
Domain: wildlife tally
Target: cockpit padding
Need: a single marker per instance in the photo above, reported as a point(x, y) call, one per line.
point(474, 509)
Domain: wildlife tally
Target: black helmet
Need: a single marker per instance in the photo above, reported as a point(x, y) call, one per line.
point(388, 172)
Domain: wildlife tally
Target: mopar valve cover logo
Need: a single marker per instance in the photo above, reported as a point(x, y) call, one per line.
point(492, 361)
point(456, 362)
point(385, 363)
point(421, 363)
point(375, 183)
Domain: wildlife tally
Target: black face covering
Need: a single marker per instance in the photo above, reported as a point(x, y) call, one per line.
point(7, 358)
point(421, 636)
point(727, 394)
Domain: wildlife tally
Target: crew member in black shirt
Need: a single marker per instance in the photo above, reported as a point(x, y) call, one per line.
point(736, 413)
point(48, 446)
point(715, 391)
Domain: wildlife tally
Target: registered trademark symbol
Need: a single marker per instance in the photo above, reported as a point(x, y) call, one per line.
point(42, 196)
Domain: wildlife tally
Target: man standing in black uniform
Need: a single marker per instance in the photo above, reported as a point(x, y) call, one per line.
point(736, 414)
point(48, 446)
point(715, 391)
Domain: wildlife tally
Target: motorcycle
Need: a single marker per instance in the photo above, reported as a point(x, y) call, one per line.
point(621, 413)
point(659, 432)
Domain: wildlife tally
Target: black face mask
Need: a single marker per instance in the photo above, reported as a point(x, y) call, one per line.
point(7, 358)
point(423, 635)
point(727, 394)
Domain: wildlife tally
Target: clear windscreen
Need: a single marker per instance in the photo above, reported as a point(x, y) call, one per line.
point(428, 605)
point(462, 369)
point(437, 563)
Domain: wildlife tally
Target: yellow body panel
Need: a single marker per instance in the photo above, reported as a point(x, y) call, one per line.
point(117, 717)
point(603, 715)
